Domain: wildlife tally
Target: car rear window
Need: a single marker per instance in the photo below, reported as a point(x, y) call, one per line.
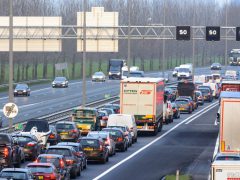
point(90, 142)
point(64, 126)
point(14, 175)
point(114, 133)
point(50, 159)
point(204, 90)
point(40, 169)
point(4, 139)
point(22, 138)
point(101, 135)
point(60, 151)
point(181, 101)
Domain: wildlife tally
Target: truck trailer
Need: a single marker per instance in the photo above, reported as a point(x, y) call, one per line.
point(143, 98)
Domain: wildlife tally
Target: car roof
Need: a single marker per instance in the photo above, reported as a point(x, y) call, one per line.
point(68, 144)
point(91, 138)
point(112, 128)
point(40, 164)
point(66, 122)
point(16, 169)
point(60, 147)
point(53, 155)
point(23, 135)
point(182, 99)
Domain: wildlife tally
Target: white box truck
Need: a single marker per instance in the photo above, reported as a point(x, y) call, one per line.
point(230, 123)
point(225, 170)
point(143, 98)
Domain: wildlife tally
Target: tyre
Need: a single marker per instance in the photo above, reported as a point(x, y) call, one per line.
point(160, 127)
point(190, 111)
point(79, 170)
point(85, 166)
point(103, 161)
point(73, 174)
point(107, 159)
point(123, 148)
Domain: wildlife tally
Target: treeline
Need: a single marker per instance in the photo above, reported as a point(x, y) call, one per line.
point(145, 53)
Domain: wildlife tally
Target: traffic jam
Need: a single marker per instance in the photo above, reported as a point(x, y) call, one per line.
point(64, 150)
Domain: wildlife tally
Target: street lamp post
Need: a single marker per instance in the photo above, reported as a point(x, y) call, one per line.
point(163, 47)
point(193, 41)
point(129, 38)
point(226, 42)
point(10, 89)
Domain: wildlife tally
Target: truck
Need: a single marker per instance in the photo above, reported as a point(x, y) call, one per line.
point(143, 98)
point(86, 119)
point(230, 86)
point(225, 170)
point(115, 68)
point(185, 71)
point(234, 57)
point(229, 123)
point(186, 88)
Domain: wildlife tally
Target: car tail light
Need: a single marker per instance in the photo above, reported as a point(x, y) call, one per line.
point(107, 142)
point(73, 131)
point(104, 118)
point(6, 152)
point(120, 139)
point(30, 144)
point(52, 177)
point(52, 136)
point(61, 163)
point(101, 148)
point(69, 161)
point(189, 104)
point(118, 111)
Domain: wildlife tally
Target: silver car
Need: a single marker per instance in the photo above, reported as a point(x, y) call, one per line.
point(107, 138)
point(99, 76)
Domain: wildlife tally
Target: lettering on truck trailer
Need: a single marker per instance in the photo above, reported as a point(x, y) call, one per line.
point(145, 92)
point(127, 91)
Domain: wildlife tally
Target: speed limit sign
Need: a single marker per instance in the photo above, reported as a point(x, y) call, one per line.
point(213, 33)
point(10, 110)
point(183, 33)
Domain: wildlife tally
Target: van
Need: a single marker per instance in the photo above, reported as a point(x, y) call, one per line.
point(124, 120)
point(215, 89)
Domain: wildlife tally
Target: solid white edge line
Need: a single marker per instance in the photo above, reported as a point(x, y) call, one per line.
point(149, 144)
point(201, 114)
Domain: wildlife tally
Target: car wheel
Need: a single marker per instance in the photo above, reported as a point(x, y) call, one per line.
point(103, 160)
point(190, 111)
point(85, 166)
point(107, 159)
point(79, 170)
point(73, 174)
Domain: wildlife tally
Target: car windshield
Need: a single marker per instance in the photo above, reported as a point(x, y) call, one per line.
point(42, 126)
point(60, 151)
point(13, 175)
point(21, 86)
point(98, 74)
point(64, 126)
point(198, 94)
point(234, 55)
point(89, 142)
point(60, 79)
point(115, 68)
point(4, 139)
point(204, 91)
point(100, 113)
point(22, 138)
point(40, 169)
point(135, 74)
point(183, 70)
point(49, 159)
point(101, 135)
point(114, 133)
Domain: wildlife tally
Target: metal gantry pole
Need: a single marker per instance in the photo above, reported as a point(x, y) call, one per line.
point(193, 41)
point(129, 36)
point(84, 56)
point(10, 89)
point(163, 47)
point(226, 42)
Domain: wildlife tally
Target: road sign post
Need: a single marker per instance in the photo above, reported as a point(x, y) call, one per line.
point(10, 110)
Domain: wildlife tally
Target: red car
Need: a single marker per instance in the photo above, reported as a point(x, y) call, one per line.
point(44, 171)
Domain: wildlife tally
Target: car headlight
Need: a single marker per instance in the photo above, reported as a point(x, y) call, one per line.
point(24, 91)
point(53, 83)
point(118, 73)
point(63, 83)
point(15, 90)
point(110, 73)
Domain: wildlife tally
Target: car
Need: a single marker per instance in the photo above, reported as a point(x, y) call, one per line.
point(11, 153)
point(99, 76)
point(22, 89)
point(70, 155)
point(175, 71)
point(103, 116)
point(108, 110)
point(39, 128)
point(184, 105)
point(60, 82)
point(169, 94)
point(176, 112)
point(58, 161)
point(136, 74)
point(127, 133)
point(95, 149)
point(193, 102)
point(216, 66)
point(167, 112)
point(200, 98)
point(115, 107)
point(42, 171)
point(30, 144)
point(173, 88)
point(124, 120)
point(54, 137)
point(16, 173)
point(207, 94)
point(107, 138)
point(80, 153)
point(68, 131)
point(118, 137)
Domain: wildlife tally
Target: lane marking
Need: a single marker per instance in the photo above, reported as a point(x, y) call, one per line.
point(201, 114)
point(149, 144)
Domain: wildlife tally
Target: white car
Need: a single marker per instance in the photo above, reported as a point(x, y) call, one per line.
point(175, 72)
point(99, 76)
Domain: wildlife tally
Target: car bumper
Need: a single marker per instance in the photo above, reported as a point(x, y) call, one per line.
point(59, 85)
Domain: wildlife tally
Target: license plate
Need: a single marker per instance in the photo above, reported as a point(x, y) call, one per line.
point(64, 133)
point(40, 177)
point(88, 149)
point(205, 97)
point(181, 109)
point(139, 127)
